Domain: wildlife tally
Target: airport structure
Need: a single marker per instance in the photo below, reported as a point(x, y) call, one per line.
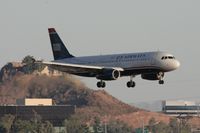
point(33, 108)
point(180, 108)
point(35, 102)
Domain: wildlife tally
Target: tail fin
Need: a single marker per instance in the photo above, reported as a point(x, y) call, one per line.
point(58, 47)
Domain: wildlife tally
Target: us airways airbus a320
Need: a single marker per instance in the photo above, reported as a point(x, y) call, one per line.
point(150, 65)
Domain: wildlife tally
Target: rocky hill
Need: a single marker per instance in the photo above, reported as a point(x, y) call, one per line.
point(66, 89)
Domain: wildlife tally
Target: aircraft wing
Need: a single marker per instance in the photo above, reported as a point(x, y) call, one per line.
point(79, 69)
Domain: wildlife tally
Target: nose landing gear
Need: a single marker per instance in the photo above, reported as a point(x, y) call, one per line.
point(160, 76)
point(161, 82)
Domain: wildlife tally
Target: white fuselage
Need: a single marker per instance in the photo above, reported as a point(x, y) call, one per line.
point(131, 61)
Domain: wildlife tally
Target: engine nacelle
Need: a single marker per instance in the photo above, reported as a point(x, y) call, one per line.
point(109, 74)
point(150, 76)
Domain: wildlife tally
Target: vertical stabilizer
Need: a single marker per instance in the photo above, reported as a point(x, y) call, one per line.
point(58, 47)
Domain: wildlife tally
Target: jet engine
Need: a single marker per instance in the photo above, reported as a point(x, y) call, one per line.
point(109, 74)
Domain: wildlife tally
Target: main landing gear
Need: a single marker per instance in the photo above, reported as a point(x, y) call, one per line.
point(131, 83)
point(101, 84)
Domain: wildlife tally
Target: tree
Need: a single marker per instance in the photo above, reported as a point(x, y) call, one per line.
point(184, 126)
point(31, 66)
point(116, 126)
point(113, 126)
point(174, 125)
point(6, 123)
point(46, 127)
point(162, 128)
point(28, 60)
point(74, 125)
point(2, 129)
point(97, 125)
point(24, 126)
point(152, 125)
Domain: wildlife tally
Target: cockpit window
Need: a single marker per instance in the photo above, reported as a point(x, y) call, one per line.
point(167, 57)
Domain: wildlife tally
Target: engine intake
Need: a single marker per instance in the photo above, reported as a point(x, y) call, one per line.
point(109, 74)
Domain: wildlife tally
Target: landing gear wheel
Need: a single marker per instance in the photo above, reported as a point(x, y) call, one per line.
point(161, 82)
point(101, 84)
point(130, 84)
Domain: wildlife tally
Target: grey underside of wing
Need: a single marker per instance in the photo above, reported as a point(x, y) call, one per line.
point(74, 70)
point(78, 69)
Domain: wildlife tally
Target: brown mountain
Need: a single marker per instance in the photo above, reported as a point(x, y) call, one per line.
point(66, 89)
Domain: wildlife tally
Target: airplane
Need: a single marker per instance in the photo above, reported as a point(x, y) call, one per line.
point(150, 65)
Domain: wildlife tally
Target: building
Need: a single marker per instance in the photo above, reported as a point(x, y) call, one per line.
point(35, 102)
point(180, 108)
point(28, 109)
point(54, 114)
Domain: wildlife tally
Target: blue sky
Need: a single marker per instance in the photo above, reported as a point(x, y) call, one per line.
point(95, 27)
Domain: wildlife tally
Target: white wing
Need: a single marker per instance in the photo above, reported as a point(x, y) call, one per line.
point(79, 69)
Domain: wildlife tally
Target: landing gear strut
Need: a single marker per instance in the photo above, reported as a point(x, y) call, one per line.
point(131, 83)
point(101, 84)
point(160, 78)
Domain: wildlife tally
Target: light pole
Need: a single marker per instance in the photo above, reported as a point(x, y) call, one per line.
point(105, 127)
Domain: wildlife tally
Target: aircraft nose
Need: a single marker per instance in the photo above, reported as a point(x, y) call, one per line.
point(177, 64)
